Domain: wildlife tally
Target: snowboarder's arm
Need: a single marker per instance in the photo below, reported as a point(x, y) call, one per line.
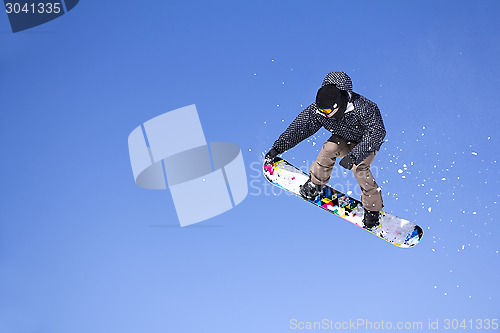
point(373, 136)
point(300, 129)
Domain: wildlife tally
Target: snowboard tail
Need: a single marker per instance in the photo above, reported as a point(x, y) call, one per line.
point(395, 230)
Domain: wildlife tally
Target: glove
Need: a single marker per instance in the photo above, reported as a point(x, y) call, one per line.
point(347, 162)
point(270, 156)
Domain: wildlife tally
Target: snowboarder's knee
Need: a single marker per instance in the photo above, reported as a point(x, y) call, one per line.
point(361, 168)
point(331, 149)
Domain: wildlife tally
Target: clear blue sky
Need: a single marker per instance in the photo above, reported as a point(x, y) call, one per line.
point(83, 249)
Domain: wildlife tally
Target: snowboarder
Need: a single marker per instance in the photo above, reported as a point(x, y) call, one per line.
point(357, 134)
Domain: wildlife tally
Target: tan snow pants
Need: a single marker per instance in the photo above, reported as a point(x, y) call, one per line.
point(321, 171)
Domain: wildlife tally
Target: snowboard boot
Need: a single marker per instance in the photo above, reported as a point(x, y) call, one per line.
point(310, 190)
point(371, 219)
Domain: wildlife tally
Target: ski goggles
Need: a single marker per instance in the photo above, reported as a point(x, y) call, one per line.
point(328, 111)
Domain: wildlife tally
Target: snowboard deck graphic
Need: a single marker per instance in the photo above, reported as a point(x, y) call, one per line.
point(392, 229)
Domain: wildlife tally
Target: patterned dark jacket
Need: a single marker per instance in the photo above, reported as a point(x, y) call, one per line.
point(362, 123)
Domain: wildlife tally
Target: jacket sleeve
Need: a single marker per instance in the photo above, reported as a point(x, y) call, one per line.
point(304, 125)
point(373, 136)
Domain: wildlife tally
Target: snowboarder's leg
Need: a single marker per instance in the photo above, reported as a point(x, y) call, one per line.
point(370, 192)
point(321, 169)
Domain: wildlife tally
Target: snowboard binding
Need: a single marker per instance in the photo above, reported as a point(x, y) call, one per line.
point(371, 219)
point(310, 191)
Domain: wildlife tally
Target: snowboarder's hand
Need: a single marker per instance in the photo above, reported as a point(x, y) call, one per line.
point(347, 162)
point(270, 156)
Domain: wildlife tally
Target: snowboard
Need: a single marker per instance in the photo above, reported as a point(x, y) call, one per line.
point(395, 230)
